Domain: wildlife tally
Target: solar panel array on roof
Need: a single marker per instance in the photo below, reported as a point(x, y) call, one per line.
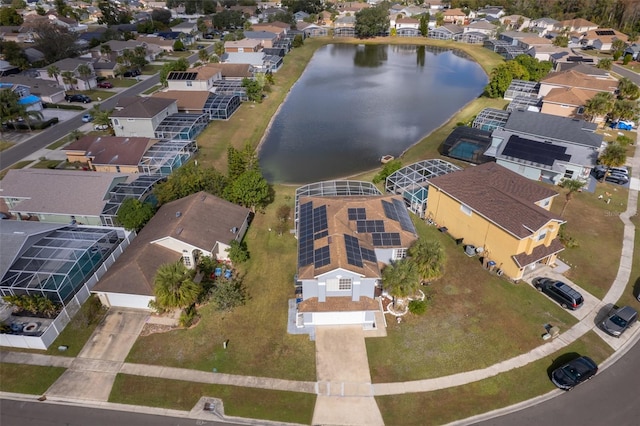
point(535, 151)
point(368, 254)
point(403, 216)
point(313, 226)
point(352, 246)
point(358, 213)
point(321, 257)
point(605, 32)
point(182, 75)
point(389, 210)
point(370, 226)
point(386, 239)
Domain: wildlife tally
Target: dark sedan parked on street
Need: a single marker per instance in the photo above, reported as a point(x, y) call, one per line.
point(574, 372)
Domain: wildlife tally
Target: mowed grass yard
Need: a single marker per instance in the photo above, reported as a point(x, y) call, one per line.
point(447, 405)
point(257, 332)
point(252, 403)
point(474, 319)
point(29, 379)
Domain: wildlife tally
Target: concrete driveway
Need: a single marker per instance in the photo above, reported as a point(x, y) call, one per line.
point(345, 394)
point(92, 373)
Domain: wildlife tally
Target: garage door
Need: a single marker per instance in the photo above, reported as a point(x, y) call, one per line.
point(128, 300)
point(338, 318)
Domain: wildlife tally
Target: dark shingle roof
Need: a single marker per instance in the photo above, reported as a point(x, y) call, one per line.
point(147, 107)
point(554, 127)
point(500, 195)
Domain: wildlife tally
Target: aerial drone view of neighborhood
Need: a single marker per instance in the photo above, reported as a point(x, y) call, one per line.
point(327, 213)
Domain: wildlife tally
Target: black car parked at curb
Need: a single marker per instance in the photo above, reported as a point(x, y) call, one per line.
point(562, 293)
point(574, 372)
point(78, 98)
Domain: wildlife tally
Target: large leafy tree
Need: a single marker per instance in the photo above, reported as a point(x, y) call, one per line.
point(228, 293)
point(424, 24)
point(428, 257)
point(12, 53)
point(10, 17)
point(112, 14)
point(501, 78)
point(537, 69)
point(239, 161)
point(55, 42)
point(372, 21)
point(227, 19)
point(250, 189)
point(188, 180)
point(254, 89)
point(174, 287)
point(133, 214)
point(401, 279)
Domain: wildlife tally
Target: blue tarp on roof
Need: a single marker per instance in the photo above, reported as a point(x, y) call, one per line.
point(28, 100)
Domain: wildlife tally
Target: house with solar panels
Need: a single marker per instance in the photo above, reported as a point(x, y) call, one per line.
point(343, 244)
point(546, 147)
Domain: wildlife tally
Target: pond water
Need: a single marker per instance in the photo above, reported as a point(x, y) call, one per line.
point(355, 103)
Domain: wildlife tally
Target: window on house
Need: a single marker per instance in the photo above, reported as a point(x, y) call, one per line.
point(187, 261)
point(542, 235)
point(400, 253)
point(117, 169)
point(116, 122)
point(189, 83)
point(465, 209)
point(568, 174)
point(344, 284)
point(545, 203)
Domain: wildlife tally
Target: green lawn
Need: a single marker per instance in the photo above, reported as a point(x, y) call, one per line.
point(46, 164)
point(258, 341)
point(29, 379)
point(252, 403)
point(447, 405)
point(122, 82)
point(5, 145)
point(59, 143)
point(152, 89)
point(474, 320)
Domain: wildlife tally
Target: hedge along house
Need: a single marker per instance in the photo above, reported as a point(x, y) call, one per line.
point(59, 262)
point(343, 243)
point(200, 224)
point(507, 215)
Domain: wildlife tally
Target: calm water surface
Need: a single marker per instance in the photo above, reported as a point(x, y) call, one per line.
point(354, 104)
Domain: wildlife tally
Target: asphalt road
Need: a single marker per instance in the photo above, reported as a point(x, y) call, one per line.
point(53, 133)
point(633, 76)
point(612, 397)
point(22, 413)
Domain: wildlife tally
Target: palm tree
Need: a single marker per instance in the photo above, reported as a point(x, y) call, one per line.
point(203, 55)
point(219, 48)
point(627, 89)
point(600, 105)
point(101, 117)
point(85, 71)
point(54, 71)
point(29, 115)
point(401, 279)
point(428, 257)
point(105, 50)
point(173, 286)
point(69, 78)
point(572, 186)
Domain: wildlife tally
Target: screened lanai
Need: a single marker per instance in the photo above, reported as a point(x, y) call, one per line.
point(524, 103)
point(231, 87)
point(59, 263)
point(412, 182)
point(165, 156)
point(221, 107)
point(490, 118)
point(138, 189)
point(334, 188)
point(523, 88)
point(182, 126)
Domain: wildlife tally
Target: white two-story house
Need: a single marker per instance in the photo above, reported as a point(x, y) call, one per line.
point(140, 116)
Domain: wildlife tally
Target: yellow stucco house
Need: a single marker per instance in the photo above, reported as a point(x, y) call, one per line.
point(505, 214)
